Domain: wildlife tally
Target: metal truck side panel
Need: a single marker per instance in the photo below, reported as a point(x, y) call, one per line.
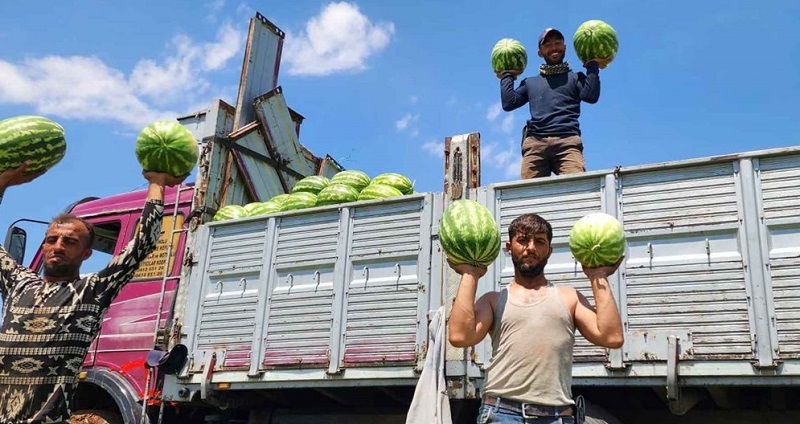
point(301, 291)
point(261, 62)
point(263, 181)
point(232, 285)
point(779, 180)
point(684, 264)
point(387, 273)
point(281, 138)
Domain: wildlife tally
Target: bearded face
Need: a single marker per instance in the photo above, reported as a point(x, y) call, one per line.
point(529, 253)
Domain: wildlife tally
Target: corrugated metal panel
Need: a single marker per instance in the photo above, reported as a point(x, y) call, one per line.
point(300, 304)
point(281, 137)
point(382, 295)
point(260, 68)
point(780, 179)
point(678, 198)
point(239, 246)
point(561, 204)
point(261, 176)
point(681, 277)
point(232, 287)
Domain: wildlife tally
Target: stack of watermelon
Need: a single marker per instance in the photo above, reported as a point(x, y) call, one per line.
point(315, 190)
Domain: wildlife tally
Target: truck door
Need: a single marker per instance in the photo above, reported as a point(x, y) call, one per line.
point(107, 243)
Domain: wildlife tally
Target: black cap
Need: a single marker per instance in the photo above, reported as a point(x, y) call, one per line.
point(547, 32)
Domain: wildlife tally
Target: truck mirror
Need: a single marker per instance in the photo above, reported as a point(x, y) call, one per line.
point(15, 243)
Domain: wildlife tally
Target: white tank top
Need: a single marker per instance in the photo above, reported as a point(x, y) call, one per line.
point(532, 351)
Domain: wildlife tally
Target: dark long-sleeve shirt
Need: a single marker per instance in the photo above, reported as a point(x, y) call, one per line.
point(554, 100)
point(48, 327)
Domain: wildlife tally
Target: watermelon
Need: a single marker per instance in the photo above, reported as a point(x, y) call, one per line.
point(398, 181)
point(509, 54)
point(262, 208)
point(299, 200)
point(356, 179)
point(279, 198)
point(35, 139)
point(597, 239)
point(167, 146)
point(469, 234)
point(230, 212)
point(337, 193)
point(311, 184)
point(595, 39)
point(378, 191)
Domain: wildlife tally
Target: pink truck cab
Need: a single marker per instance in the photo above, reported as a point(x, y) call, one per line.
point(114, 375)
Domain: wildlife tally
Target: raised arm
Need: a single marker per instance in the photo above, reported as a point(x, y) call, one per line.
point(511, 98)
point(602, 324)
point(122, 266)
point(469, 321)
point(10, 271)
point(589, 84)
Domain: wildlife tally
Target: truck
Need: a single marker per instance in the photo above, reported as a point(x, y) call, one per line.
point(324, 314)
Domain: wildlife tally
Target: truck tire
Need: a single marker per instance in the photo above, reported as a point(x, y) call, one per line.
point(597, 415)
point(95, 416)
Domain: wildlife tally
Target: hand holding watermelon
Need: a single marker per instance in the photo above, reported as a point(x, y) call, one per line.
point(603, 271)
point(17, 176)
point(476, 271)
point(601, 63)
point(163, 179)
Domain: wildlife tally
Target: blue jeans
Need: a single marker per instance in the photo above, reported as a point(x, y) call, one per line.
point(496, 415)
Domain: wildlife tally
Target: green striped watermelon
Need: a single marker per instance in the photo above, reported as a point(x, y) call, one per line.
point(167, 146)
point(398, 181)
point(595, 39)
point(469, 234)
point(299, 200)
point(230, 212)
point(262, 208)
point(35, 139)
point(279, 198)
point(509, 54)
point(337, 193)
point(356, 179)
point(378, 191)
point(597, 239)
point(311, 184)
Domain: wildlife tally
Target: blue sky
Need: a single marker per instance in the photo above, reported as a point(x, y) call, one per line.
point(691, 79)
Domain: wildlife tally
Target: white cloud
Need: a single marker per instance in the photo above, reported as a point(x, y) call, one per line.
point(435, 148)
point(85, 88)
point(502, 157)
point(507, 124)
point(494, 112)
point(413, 99)
point(214, 7)
point(339, 39)
point(407, 119)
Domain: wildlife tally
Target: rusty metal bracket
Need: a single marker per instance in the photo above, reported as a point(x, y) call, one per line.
point(206, 392)
point(673, 388)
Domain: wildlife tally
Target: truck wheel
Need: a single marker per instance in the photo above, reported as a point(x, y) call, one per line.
point(95, 416)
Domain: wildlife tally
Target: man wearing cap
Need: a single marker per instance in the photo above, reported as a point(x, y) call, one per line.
point(552, 137)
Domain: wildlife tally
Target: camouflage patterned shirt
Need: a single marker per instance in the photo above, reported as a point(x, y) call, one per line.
point(48, 327)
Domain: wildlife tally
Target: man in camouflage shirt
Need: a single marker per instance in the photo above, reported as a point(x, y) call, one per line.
point(49, 322)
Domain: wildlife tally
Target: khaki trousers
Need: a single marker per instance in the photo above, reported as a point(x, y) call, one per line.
point(542, 156)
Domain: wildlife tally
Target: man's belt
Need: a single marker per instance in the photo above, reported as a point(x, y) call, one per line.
point(529, 410)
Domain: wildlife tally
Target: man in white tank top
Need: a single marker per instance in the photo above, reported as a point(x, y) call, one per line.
point(532, 327)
